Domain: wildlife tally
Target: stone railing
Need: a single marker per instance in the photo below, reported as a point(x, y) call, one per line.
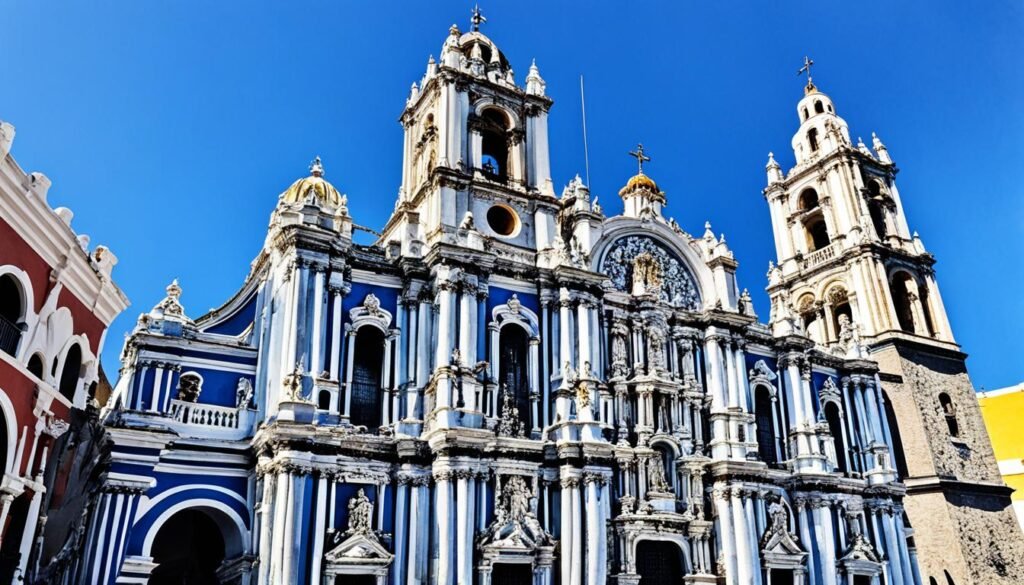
point(207, 415)
point(818, 256)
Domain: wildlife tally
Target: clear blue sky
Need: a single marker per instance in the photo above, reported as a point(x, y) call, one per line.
point(171, 127)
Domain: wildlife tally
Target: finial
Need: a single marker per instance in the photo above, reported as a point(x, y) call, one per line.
point(478, 18)
point(771, 161)
point(174, 289)
point(453, 30)
point(316, 168)
point(431, 61)
point(808, 62)
point(640, 158)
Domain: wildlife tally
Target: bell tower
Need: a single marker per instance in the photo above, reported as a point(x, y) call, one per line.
point(476, 163)
point(851, 276)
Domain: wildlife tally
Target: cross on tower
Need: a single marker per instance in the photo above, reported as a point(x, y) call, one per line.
point(807, 68)
point(478, 18)
point(640, 158)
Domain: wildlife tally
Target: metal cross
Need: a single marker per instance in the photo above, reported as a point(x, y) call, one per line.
point(807, 67)
point(478, 18)
point(640, 157)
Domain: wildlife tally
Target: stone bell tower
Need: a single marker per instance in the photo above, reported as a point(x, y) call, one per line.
point(476, 162)
point(852, 277)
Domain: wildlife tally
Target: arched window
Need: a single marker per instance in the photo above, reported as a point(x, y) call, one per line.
point(812, 139)
point(928, 323)
point(190, 385)
point(71, 371)
point(35, 365)
point(835, 428)
point(817, 234)
point(367, 368)
point(819, 108)
point(805, 113)
point(494, 148)
point(764, 415)
point(902, 298)
point(323, 401)
point(949, 412)
point(949, 578)
point(513, 345)
point(808, 199)
point(876, 208)
point(12, 312)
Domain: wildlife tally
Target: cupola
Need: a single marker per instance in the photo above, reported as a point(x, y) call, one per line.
point(641, 196)
point(314, 189)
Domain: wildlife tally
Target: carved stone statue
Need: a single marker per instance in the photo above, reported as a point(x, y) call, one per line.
point(360, 514)
point(656, 474)
point(243, 393)
point(509, 424)
point(646, 275)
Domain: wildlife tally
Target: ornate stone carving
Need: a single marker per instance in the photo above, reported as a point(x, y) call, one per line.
point(515, 525)
point(360, 514)
point(676, 284)
point(243, 393)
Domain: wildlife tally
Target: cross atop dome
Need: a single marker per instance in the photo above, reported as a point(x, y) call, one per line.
point(477, 18)
point(640, 158)
point(808, 62)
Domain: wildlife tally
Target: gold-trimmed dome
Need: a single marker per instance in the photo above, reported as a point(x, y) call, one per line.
point(314, 185)
point(637, 181)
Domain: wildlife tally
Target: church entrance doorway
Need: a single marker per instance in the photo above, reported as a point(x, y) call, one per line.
point(659, 563)
point(511, 574)
point(188, 549)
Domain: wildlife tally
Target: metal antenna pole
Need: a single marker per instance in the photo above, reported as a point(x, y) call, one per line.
point(586, 152)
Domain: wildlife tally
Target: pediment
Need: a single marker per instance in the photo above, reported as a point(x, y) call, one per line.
point(359, 549)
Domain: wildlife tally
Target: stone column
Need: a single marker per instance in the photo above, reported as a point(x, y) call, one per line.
point(727, 536)
point(744, 558)
point(266, 515)
point(593, 506)
point(443, 507)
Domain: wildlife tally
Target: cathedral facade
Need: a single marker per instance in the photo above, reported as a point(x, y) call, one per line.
point(510, 386)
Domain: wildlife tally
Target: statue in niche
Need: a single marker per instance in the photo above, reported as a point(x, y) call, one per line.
point(657, 349)
point(656, 474)
point(646, 275)
point(360, 514)
point(619, 358)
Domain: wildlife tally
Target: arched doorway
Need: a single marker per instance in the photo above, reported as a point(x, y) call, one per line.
point(188, 549)
point(659, 562)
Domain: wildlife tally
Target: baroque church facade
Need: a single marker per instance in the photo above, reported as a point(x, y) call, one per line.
point(511, 387)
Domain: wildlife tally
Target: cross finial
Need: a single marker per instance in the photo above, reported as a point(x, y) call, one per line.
point(808, 62)
point(478, 18)
point(640, 158)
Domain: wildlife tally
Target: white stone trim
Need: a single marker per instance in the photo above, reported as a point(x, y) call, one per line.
point(242, 538)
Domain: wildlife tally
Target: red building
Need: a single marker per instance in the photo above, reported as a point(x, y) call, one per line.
point(56, 301)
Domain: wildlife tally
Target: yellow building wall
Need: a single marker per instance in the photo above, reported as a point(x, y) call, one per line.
point(1003, 412)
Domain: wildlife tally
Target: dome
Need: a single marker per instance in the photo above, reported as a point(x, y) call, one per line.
point(314, 185)
point(638, 181)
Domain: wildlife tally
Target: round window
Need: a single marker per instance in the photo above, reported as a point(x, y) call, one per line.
point(502, 220)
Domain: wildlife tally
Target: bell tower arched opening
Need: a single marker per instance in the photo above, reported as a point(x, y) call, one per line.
point(12, 312)
point(494, 146)
point(513, 343)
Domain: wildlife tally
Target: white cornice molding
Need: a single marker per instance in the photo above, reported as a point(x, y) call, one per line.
point(31, 217)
